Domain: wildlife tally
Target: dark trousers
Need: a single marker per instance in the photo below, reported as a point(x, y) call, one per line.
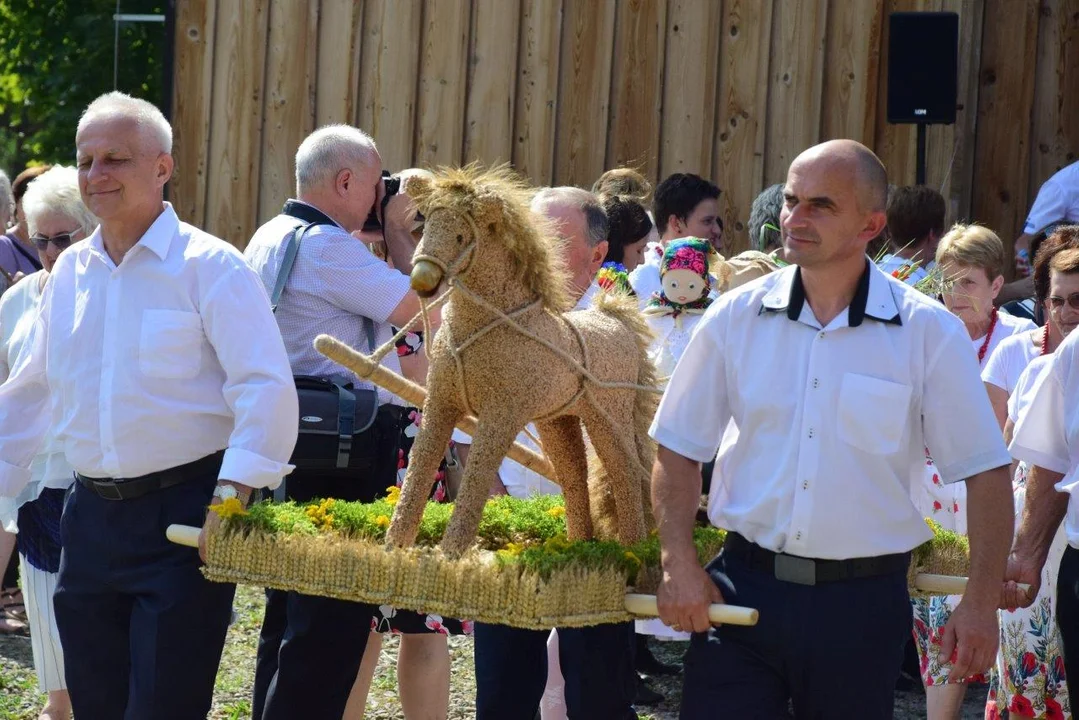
point(833, 650)
point(142, 629)
point(1068, 619)
point(597, 663)
point(310, 647)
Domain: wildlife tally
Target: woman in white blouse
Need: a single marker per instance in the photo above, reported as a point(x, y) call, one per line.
point(56, 218)
point(971, 258)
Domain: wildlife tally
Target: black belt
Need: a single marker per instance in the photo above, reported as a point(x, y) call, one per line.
point(121, 489)
point(808, 571)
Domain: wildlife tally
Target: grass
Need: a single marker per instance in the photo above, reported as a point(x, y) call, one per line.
point(20, 699)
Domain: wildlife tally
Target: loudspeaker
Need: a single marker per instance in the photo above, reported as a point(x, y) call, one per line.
point(923, 67)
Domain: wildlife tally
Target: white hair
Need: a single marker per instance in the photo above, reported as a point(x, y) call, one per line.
point(586, 202)
point(56, 191)
point(7, 201)
point(329, 150)
point(145, 114)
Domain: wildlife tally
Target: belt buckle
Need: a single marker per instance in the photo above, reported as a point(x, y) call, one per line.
point(790, 568)
point(108, 491)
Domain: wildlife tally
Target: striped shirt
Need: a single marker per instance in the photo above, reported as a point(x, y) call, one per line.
point(334, 284)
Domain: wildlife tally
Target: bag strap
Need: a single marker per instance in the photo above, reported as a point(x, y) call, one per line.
point(291, 250)
point(25, 253)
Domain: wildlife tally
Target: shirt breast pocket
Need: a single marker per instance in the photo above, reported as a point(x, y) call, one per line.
point(873, 413)
point(170, 345)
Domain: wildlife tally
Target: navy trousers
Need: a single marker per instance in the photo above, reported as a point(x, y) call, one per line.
point(1068, 618)
point(833, 650)
point(142, 629)
point(310, 648)
point(597, 663)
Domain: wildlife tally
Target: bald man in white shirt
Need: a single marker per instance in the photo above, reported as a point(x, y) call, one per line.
point(837, 377)
point(158, 363)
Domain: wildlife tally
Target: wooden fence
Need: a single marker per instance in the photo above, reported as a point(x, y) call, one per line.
point(564, 89)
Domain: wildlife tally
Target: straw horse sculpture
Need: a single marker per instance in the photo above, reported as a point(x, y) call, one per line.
point(508, 353)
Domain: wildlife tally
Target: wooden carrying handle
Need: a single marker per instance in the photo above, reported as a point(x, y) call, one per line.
point(719, 614)
point(947, 584)
point(183, 535)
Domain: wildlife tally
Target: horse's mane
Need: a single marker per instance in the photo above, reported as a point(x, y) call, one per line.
point(533, 247)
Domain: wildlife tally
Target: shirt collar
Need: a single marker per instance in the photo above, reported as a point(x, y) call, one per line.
point(307, 212)
point(157, 238)
point(872, 298)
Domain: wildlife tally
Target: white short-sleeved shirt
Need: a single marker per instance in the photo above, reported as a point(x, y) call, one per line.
point(334, 284)
point(1047, 434)
point(1008, 361)
point(1007, 326)
point(1028, 380)
point(1058, 200)
point(833, 421)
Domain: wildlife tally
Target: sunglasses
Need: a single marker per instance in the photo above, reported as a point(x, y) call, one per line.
point(61, 241)
point(1056, 302)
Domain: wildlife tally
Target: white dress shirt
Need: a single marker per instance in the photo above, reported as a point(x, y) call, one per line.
point(832, 421)
point(334, 284)
point(1047, 434)
point(169, 357)
point(1057, 201)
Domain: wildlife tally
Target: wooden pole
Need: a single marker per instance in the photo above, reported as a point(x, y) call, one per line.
point(415, 395)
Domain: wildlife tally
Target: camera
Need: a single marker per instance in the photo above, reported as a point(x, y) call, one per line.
point(393, 186)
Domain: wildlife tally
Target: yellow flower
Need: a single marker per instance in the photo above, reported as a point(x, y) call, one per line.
point(382, 521)
point(393, 495)
point(556, 544)
point(557, 511)
point(630, 556)
point(229, 507)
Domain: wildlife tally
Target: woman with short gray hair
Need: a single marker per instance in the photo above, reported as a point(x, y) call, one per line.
point(56, 218)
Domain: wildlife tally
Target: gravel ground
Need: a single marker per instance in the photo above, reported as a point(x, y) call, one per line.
point(20, 700)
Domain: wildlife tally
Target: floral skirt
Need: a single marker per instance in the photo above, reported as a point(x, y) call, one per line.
point(389, 619)
point(1029, 679)
point(930, 616)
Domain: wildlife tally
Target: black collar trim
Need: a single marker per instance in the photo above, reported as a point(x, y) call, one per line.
point(856, 313)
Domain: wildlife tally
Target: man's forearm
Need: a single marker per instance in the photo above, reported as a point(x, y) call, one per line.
point(676, 493)
point(990, 519)
point(1043, 512)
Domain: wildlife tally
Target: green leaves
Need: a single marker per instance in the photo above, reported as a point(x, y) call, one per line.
point(55, 57)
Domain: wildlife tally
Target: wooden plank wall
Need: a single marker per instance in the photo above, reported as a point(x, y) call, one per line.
point(563, 89)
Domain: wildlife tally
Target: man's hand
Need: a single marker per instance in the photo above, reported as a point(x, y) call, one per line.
point(970, 640)
point(1021, 569)
point(211, 524)
point(497, 487)
point(684, 595)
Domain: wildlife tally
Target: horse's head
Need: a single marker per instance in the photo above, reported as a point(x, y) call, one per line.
point(479, 227)
point(457, 227)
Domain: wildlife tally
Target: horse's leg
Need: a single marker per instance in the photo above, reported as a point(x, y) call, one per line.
point(428, 450)
point(489, 445)
point(564, 446)
point(617, 450)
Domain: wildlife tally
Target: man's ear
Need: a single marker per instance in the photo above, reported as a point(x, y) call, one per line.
point(344, 179)
point(165, 166)
point(874, 226)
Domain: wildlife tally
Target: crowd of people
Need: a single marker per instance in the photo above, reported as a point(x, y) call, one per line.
point(862, 367)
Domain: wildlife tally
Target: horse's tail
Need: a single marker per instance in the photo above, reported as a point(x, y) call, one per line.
point(625, 310)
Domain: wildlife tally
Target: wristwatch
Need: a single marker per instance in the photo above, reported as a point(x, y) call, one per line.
point(225, 492)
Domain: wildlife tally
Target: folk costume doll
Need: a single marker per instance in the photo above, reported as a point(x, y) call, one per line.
point(686, 293)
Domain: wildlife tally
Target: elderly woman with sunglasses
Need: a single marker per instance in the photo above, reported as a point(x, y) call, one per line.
point(56, 218)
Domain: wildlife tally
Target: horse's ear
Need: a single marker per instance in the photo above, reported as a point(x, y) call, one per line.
point(488, 211)
point(417, 187)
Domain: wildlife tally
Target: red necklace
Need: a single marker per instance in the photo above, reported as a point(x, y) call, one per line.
point(988, 337)
point(1045, 340)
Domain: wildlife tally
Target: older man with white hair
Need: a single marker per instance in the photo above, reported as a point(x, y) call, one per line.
point(156, 358)
point(323, 279)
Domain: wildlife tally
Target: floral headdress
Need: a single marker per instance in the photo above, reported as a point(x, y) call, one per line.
point(613, 277)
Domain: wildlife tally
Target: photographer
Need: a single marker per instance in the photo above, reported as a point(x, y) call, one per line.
point(311, 647)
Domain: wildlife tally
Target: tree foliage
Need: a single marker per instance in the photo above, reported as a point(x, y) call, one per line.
point(55, 57)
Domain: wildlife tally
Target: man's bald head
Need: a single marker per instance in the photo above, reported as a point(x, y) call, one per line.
point(871, 177)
